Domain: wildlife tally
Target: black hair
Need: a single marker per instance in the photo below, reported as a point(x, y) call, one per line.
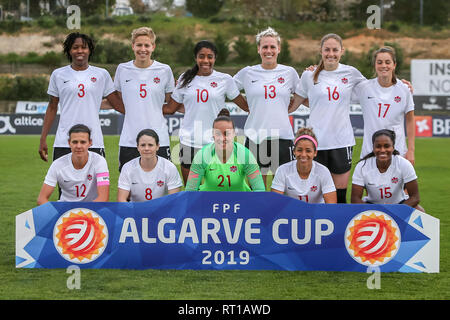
point(78, 128)
point(224, 115)
point(189, 75)
point(382, 132)
point(147, 132)
point(70, 40)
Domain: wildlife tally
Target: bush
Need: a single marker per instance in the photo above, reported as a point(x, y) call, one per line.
point(246, 51)
point(23, 88)
point(111, 52)
point(46, 22)
point(222, 49)
point(185, 55)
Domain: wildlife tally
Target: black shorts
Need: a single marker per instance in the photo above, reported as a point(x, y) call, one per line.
point(187, 155)
point(58, 152)
point(129, 153)
point(270, 154)
point(338, 161)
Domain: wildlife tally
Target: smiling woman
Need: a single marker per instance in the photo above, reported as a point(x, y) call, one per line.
point(268, 88)
point(78, 86)
point(144, 85)
point(200, 93)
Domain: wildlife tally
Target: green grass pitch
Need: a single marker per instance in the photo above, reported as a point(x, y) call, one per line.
point(22, 174)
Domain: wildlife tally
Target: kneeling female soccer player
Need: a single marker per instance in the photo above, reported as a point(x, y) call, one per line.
point(304, 178)
point(226, 165)
point(385, 174)
point(82, 175)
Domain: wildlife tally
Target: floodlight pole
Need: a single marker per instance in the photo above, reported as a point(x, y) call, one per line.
point(382, 10)
point(106, 7)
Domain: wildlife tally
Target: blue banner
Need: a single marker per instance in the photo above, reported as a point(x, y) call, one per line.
point(228, 230)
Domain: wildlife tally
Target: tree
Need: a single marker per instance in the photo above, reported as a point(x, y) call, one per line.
point(222, 49)
point(91, 7)
point(204, 8)
point(434, 12)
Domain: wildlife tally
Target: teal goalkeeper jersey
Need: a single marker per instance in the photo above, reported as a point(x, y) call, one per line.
point(228, 176)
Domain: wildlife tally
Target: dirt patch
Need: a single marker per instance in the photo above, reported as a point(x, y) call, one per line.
point(301, 48)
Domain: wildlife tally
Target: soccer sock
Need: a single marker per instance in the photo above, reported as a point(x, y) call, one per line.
point(341, 195)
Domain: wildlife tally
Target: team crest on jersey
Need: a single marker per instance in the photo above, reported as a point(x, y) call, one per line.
point(372, 238)
point(160, 183)
point(344, 80)
point(213, 84)
point(233, 168)
point(281, 80)
point(394, 180)
point(397, 99)
point(89, 177)
point(314, 188)
point(93, 79)
point(80, 235)
point(156, 80)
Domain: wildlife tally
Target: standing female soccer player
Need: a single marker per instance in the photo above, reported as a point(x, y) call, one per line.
point(268, 88)
point(304, 178)
point(144, 85)
point(82, 175)
point(202, 91)
point(386, 103)
point(149, 176)
point(329, 90)
point(225, 165)
point(78, 89)
point(385, 174)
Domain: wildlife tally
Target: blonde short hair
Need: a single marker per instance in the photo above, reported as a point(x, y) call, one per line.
point(143, 31)
point(269, 32)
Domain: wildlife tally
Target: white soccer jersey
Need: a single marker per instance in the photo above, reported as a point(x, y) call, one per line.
point(143, 93)
point(310, 190)
point(78, 184)
point(203, 98)
point(384, 108)
point(386, 187)
point(329, 103)
point(145, 186)
point(80, 95)
point(268, 94)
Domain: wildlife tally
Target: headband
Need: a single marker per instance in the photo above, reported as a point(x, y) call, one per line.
point(305, 136)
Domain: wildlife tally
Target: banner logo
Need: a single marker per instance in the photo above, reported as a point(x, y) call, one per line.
point(80, 235)
point(372, 238)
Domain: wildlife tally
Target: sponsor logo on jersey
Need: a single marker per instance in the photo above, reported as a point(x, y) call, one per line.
point(344, 80)
point(156, 80)
point(394, 180)
point(214, 84)
point(372, 238)
point(160, 183)
point(233, 168)
point(397, 99)
point(80, 235)
point(89, 177)
point(281, 80)
point(314, 188)
point(93, 79)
